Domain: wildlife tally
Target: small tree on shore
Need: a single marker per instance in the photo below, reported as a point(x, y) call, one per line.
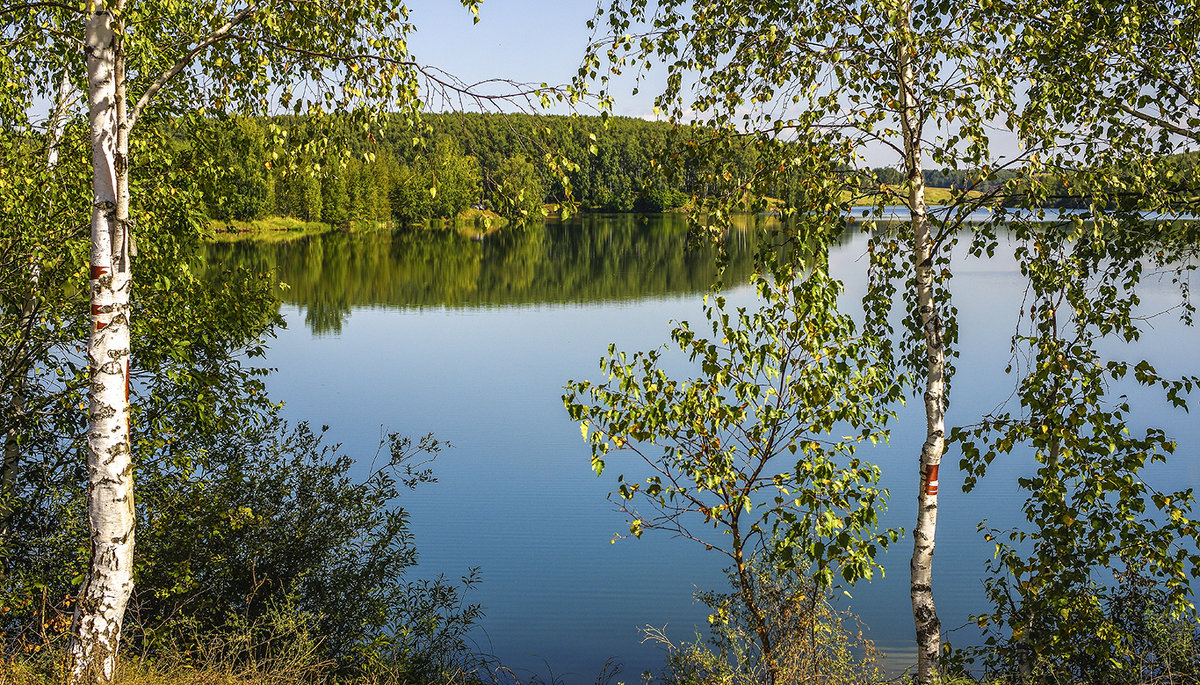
point(742, 458)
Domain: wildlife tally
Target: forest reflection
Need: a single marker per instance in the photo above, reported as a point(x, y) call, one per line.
point(589, 259)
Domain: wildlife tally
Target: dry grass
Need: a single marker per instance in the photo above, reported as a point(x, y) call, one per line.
point(280, 648)
point(133, 670)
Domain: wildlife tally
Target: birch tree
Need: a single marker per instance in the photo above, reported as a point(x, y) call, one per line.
point(1114, 75)
point(1112, 89)
point(147, 59)
point(1097, 524)
point(831, 78)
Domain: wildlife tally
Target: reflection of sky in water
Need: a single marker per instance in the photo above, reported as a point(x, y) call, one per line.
point(517, 497)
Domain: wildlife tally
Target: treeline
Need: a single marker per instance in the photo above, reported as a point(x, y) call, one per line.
point(270, 166)
point(1167, 183)
point(455, 162)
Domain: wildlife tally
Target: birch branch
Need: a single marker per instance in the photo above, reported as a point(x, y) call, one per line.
point(214, 37)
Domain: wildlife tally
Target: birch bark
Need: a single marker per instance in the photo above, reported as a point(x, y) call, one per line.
point(109, 582)
point(928, 627)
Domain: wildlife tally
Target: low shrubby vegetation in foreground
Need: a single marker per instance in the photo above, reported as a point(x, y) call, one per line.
point(271, 563)
point(816, 643)
point(282, 647)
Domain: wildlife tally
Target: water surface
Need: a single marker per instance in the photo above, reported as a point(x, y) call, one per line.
point(473, 340)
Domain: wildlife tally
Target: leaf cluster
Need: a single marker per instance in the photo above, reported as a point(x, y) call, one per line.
point(745, 448)
point(1090, 511)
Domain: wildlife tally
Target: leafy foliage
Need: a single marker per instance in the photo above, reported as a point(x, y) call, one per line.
point(1090, 512)
point(280, 519)
point(240, 517)
point(743, 448)
point(520, 191)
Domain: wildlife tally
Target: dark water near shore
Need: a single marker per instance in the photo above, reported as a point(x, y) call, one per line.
point(473, 340)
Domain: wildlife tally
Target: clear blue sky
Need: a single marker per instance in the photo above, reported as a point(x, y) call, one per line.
point(530, 41)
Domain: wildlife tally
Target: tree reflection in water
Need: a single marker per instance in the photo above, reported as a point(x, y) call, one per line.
point(591, 259)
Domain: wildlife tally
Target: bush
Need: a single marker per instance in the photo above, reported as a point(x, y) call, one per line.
point(660, 199)
point(245, 527)
point(813, 641)
point(278, 519)
point(271, 534)
point(1151, 646)
point(520, 190)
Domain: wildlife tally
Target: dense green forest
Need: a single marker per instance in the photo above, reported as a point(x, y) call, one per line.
point(257, 167)
point(264, 167)
point(268, 167)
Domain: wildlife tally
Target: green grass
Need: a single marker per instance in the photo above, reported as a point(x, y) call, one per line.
point(269, 229)
point(282, 229)
point(933, 197)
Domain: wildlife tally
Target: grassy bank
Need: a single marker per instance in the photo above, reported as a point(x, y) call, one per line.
point(471, 222)
point(269, 229)
point(933, 197)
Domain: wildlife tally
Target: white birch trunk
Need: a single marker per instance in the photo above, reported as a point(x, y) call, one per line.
point(928, 627)
point(109, 580)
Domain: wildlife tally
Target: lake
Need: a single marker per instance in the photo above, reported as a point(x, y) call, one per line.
point(473, 339)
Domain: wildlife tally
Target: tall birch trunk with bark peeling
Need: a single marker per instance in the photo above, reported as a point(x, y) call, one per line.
point(928, 627)
point(109, 581)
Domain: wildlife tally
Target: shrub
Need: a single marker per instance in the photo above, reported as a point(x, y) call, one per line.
point(1151, 645)
point(258, 522)
point(813, 641)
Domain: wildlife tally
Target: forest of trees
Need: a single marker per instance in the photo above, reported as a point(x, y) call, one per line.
point(492, 160)
point(488, 160)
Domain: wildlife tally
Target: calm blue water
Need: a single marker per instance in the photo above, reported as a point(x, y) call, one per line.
point(473, 341)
